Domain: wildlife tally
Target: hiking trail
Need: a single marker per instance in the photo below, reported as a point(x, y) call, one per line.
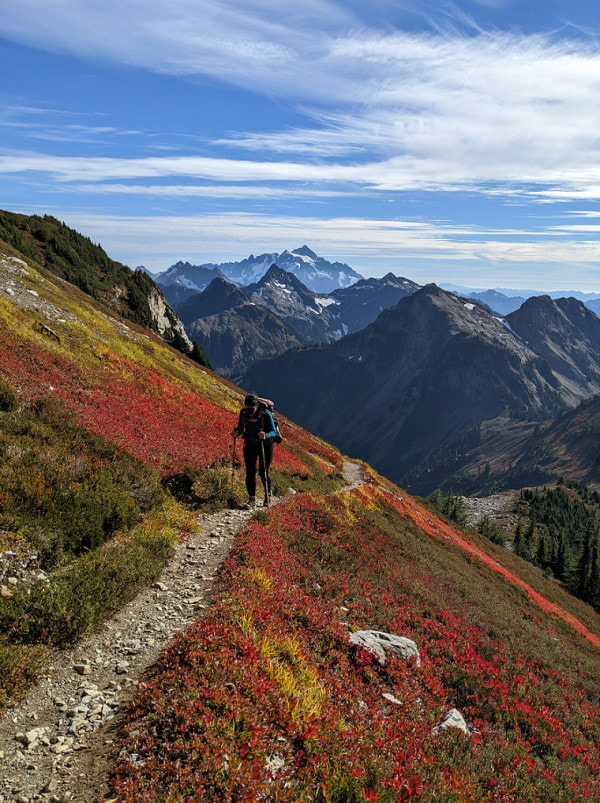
point(59, 742)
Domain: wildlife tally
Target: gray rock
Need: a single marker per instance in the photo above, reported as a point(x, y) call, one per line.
point(453, 719)
point(378, 642)
point(31, 737)
point(391, 699)
point(82, 669)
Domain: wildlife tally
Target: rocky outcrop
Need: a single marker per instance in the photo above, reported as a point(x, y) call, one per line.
point(453, 719)
point(167, 324)
point(378, 642)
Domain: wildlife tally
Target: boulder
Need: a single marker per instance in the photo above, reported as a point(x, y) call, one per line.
point(453, 719)
point(378, 642)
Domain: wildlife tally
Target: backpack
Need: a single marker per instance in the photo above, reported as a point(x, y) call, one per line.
point(269, 406)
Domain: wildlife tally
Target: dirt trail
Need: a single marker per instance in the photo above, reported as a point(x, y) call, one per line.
point(77, 706)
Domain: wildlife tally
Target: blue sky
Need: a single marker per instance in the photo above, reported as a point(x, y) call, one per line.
point(445, 141)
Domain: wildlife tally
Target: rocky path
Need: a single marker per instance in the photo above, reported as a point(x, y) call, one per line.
point(57, 745)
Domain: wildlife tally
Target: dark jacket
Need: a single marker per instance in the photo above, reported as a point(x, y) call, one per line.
point(249, 429)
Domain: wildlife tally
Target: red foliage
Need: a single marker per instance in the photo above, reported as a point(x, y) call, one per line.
point(156, 419)
point(220, 719)
point(430, 524)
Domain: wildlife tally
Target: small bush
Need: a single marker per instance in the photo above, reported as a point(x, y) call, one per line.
point(79, 597)
point(211, 489)
point(8, 398)
point(19, 668)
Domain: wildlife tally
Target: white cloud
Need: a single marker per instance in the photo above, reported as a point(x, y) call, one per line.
point(206, 191)
point(158, 240)
point(486, 112)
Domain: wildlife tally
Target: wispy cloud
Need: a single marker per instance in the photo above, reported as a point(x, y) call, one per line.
point(392, 110)
point(259, 192)
point(408, 246)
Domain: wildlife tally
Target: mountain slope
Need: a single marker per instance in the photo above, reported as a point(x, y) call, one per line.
point(220, 295)
point(362, 302)
point(420, 379)
point(567, 446)
point(267, 696)
point(567, 335)
point(182, 280)
point(304, 311)
point(497, 302)
point(72, 257)
point(235, 338)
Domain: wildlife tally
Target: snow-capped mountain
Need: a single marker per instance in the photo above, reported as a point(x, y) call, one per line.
point(311, 315)
point(361, 303)
point(314, 271)
point(183, 279)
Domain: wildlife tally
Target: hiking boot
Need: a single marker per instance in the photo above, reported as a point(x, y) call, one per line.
point(266, 501)
point(250, 504)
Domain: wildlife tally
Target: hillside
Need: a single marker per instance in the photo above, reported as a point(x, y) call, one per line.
point(412, 390)
point(567, 447)
point(273, 693)
point(70, 256)
point(235, 338)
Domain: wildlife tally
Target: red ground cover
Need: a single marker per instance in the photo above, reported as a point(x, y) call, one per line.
point(157, 420)
point(268, 700)
point(427, 521)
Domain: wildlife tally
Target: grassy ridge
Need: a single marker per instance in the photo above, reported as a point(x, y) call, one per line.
point(75, 258)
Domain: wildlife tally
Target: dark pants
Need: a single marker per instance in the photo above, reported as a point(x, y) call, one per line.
point(252, 453)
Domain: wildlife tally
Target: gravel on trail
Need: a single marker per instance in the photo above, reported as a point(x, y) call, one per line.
point(59, 743)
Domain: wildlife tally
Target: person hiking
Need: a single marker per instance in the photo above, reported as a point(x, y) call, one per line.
point(257, 428)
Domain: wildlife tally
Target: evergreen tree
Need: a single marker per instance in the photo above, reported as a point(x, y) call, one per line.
point(198, 355)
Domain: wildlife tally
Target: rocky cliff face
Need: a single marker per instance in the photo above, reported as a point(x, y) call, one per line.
point(234, 339)
point(312, 316)
point(166, 322)
point(418, 380)
point(567, 335)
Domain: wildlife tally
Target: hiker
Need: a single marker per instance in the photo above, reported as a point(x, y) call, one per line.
point(258, 430)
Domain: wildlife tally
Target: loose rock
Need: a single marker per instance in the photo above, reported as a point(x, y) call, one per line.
point(378, 642)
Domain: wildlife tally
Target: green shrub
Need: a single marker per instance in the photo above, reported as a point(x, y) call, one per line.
point(68, 490)
point(19, 667)
point(8, 398)
point(81, 596)
point(209, 489)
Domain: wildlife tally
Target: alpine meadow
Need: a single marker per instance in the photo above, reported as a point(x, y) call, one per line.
point(300, 402)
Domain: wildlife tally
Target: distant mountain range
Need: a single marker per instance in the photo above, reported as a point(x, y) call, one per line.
point(298, 316)
point(436, 386)
point(317, 273)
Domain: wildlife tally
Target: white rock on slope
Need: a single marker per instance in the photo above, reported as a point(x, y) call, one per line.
point(378, 642)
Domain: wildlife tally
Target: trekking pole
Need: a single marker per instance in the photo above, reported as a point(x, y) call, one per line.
point(267, 482)
point(233, 461)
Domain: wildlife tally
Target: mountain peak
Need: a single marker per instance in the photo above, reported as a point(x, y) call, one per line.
point(305, 251)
